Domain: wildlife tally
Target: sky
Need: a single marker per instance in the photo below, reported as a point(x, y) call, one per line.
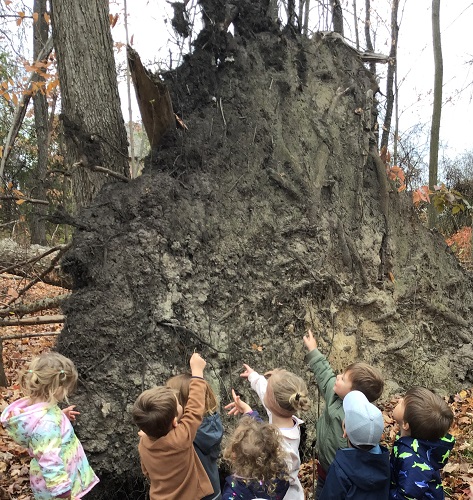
point(152, 37)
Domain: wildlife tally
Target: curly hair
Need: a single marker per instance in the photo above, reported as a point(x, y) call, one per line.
point(287, 393)
point(180, 384)
point(51, 377)
point(255, 453)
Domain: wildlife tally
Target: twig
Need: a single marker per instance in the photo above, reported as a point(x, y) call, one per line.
point(26, 200)
point(103, 170)
point(223, 116)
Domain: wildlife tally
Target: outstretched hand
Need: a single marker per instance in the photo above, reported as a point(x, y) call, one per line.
point(309, 341)
point(71, 413)
point(197, 364)
point(247, 372)
point(238, 406)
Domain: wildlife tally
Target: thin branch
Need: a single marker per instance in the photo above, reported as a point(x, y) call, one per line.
point(47, 303)
point(21, 108)
point(35, 320)
point(26, 200)
point(29, 335)
point(102, 170)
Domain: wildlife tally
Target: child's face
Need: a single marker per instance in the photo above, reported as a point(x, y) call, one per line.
point(398, 415)
point(342, 385)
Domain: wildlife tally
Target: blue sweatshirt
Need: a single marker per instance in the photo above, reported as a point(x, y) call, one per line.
point(415, 467)
point(207, 445)
point(358, 475)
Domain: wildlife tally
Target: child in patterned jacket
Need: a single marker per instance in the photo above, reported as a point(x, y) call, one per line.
point(423, 446)
point(59, 467)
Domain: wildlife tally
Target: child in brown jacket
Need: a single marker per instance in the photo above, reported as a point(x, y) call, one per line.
point(166, 447)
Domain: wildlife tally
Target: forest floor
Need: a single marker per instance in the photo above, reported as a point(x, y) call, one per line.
point(14, 461)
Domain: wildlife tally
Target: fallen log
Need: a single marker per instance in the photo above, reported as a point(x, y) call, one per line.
point(31, 261)
point(34, 320)
point(47, 303)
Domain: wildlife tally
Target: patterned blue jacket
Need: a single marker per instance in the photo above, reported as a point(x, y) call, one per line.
point(415, 467)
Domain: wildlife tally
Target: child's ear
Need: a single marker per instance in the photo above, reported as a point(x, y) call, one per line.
point(174, 422)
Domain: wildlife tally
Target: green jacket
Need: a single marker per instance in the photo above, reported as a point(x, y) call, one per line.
point(329, 425)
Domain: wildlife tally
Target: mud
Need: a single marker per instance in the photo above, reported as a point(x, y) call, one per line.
point(262, 219)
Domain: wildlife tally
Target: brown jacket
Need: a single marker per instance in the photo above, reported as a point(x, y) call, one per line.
point(171, 462)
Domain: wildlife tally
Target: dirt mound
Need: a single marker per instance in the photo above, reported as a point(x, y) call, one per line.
point(269, 215)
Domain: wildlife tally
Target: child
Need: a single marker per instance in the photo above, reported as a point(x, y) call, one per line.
point(357, 376)
point(209, 435)
point(167, 454)
point(282, 395)
point(361, 471)
point(423, 447)
point(256, 456)
point(59, 467)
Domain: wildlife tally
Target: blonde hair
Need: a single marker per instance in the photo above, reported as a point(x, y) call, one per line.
point(155, 410)
point(47, 375)
point(181, 383)
point(287, 393)
point(255, 453)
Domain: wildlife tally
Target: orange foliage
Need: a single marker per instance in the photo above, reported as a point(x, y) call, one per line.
point(460, 243)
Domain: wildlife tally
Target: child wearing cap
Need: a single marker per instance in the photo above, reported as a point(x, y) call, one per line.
point(423, 446)
point(361, 471)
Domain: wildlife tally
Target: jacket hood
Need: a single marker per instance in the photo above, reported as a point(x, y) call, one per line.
point(368, 471)
point(435, 453)
point(20, 419)
point(209, 435)
point(239, 490)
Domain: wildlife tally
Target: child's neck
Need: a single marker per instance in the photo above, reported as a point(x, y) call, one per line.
point(282, 422)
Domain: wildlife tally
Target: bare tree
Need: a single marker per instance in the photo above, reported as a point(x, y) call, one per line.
point(38, 179)
point(337, 16)
point(437, 105)
point(390, 75)
point(369, 43)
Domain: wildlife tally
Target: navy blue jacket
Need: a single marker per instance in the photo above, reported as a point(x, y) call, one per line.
point(207, 445)
point(415, 468)
point(358, 475)
point(237, 489)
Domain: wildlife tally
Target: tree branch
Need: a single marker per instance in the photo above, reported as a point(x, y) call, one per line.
point(35, 320)
point(47, 303)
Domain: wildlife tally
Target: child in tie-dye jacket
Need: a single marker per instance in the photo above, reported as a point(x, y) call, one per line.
point(59, 467)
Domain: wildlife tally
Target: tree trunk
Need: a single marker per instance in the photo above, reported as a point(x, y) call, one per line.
point(93, 123)
point(369, 43)
point(38, 177)
point(437, 106)
point(337, 17)
point(392, 65)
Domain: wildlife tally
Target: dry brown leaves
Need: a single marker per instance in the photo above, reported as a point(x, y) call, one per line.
point(14, 461)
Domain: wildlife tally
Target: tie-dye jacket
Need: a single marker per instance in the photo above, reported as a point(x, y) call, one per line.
point(58, 462)
point(415, 467)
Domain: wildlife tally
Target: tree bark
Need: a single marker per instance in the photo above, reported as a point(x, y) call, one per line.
point(337, 17)
point(38, 189)
point(437, 106)
point(392, 65)
point(369, 43)
point(93, 123)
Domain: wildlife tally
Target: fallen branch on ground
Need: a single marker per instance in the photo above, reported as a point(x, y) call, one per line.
point(47, 303)
point(35, 320)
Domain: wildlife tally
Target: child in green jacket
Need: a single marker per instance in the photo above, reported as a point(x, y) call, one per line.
point(357, 376)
